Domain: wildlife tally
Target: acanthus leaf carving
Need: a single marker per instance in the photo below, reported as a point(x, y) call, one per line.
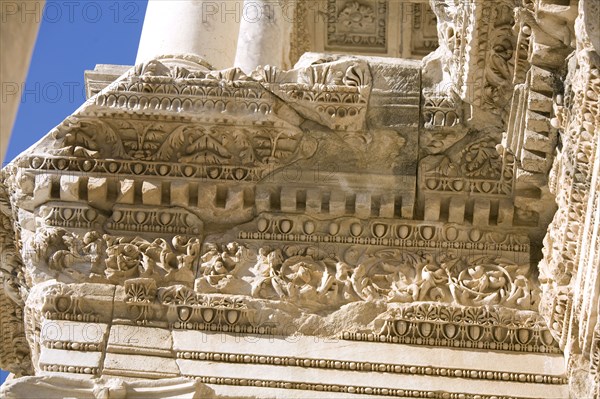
point(140, 146)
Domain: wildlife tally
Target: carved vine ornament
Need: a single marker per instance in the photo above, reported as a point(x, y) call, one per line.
point(183, 198)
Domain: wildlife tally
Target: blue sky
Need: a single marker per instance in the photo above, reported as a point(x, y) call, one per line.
point(74, 36)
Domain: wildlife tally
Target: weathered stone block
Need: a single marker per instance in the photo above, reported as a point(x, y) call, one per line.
point(43, 189)
point(288, 199)
point(505, 212)
point(481, 212)
point(456, 210)
point(69, 188)
point(180, 193)
point(235, 198)
point(337, 203)
point(387, 204)
point(313, 201)
point(432, 209)
point(151, 193)
point(363, 205)
point(262, 199)
point(126, 193)
point(97, 188)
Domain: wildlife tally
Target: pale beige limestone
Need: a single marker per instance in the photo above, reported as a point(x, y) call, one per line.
point(204, 28)
point(264, 34)
point(398, 204)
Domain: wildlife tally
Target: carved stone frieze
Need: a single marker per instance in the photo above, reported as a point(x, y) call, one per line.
point(569, 270)
point(392, 28)
point(544, 40)
point(11, 272)
point(106, 258)
point(15, 355)
point(384, 275)
point(424, 38)
point(391, 203)
point(359, 24)
point(441, 110)
point(186, 200)
point(483, 328)
point(477, 169)
point(168, 142)
point(479, 42)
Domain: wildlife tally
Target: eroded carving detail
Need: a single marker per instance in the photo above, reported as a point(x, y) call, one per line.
point(357, 24)
point(170, 188)
point(469, 327)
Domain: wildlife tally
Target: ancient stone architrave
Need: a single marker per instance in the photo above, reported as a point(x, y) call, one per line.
point(241, 230)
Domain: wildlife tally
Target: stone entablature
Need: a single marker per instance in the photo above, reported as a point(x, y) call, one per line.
point(395, 205)
point(106, 171)
point(199, 199)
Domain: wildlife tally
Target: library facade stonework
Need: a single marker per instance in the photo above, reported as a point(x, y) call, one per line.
point(319, 199)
